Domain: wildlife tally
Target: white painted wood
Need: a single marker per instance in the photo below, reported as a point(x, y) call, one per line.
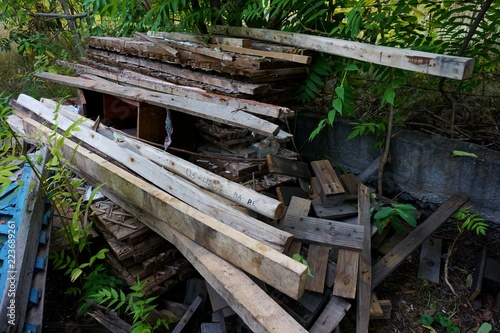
point(423, 62)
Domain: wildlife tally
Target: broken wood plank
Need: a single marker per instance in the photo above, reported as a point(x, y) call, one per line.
point(423, 62)
point(415, 238)
point(285, 166)
point(350, 183)
point(375, 308)
point(125, 76)
point(326, 232)
point(317, 260)
point(154, 173)
point(253, 305)
point(272, 267)
point(193, 107)
point(430, 260)
point(368, 171)
point(346, 277)
point(365, 262)
point(331, 189)
point(334, 312)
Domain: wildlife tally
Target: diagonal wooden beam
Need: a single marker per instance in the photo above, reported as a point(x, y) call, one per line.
point(256, 258)
point(424, 62)
point(398, 254)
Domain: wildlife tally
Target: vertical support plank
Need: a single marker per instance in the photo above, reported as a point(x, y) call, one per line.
point(430, 260)
point(317, 259)
point(365, 264)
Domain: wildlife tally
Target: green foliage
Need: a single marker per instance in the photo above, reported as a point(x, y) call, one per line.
point(394, 214)
point(299, 258)
point(440, 319)
point(485, 328)
point(468, 221)
point(136, 305)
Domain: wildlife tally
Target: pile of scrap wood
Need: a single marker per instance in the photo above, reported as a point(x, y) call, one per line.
point(205, 218)
point(221, 121)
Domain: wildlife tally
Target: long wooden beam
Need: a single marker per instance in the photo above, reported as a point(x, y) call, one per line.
point(223, 114)
point(255, 307)
point(252, 256)
point(424, 62)
point(230, 190)
point(129, 77)
point(167, 181)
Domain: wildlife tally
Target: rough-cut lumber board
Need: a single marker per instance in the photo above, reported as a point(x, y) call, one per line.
point(174, 185)
point(395, 257)
point(285, 166)
point(257, 309)
point(301, 59)
point(424, 62)
point(365, 263)
point(331, 189)
point(326, 232)
point(430, 260)
point(390, 242)
point(132, 78)
point(346, 277)
point(348, 262)
point(477, 279)
point(272, 267)
point(193, 107)
point(235, 192)
point(331, 316)
point(317, 260)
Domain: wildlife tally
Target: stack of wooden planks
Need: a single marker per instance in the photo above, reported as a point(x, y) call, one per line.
point(232, 66)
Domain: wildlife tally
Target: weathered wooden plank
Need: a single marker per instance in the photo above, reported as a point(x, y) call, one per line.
point(327, 232)
point(430, 260)
point(398, 254)
point(301, 59)
point(193, 107)
point(375, 307)
point(176, 186)
point(423, 62)
point(132, 78)
point(331, 189)
point(317, 260)
point(175, 73)
point(257, 309)
point(346, 278)
point(285, 166)
point(365, 263)
point(331, 316)
point(235, 192)
point(272, 267)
